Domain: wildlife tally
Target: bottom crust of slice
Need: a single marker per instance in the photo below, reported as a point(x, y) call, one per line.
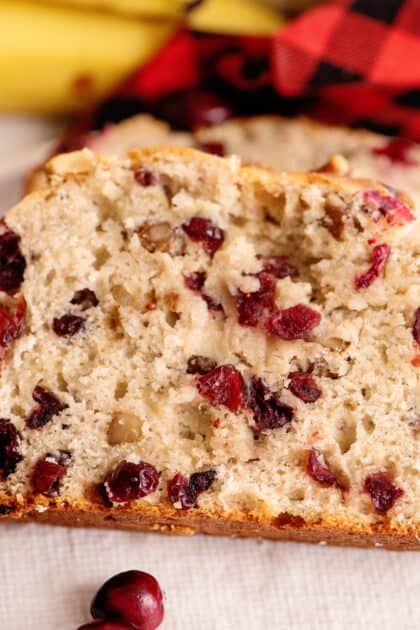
point(284, 528)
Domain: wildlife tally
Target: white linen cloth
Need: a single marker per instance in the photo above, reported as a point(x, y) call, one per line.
point(48, 575)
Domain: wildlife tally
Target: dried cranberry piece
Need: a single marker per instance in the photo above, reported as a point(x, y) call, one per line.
point(106, 625)
point(252, 307)
point(195, 281)
point(144, 177)
point(200, 365)
point(131, 481)
point(48, 473)
point(85, 298)
point(396, 211)
point(215, 148)
point(12, 323)
point(204, 231)
point(304, 386)
point(382, 490)
point(223, 386)
point(12, 263)
point(48, 407)
point(268, 410)
point(416, 326)
point(380, 255)
point(132, 597)
point(9, 448)
point(397, 151)
point(278, 266)
point(318, 469)
point(178, 492)
point(5, 510)
point(201, 481)
point(67, 325)
point(186, 492)
point(296, 322)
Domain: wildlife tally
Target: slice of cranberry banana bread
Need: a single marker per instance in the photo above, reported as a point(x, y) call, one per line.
point(191, 345)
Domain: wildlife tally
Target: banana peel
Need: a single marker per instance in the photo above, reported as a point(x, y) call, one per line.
point(221, 16)
point(235, 17)
point(147, 8)
point(56, 59)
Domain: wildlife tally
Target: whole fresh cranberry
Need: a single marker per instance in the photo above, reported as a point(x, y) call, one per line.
point(133, 597)
point(106, 625)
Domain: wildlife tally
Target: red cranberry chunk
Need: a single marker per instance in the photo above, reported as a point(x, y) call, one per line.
point(382, 491)
point(205, 232)
point(223, 386)
point(318, 469)
point(252, 307)
point(67, 325)
point(269, 411)
point(380, 255)
point(178, 492)
point(296, 322)
point(303, 386)
point(5, 510)
point(215, 148)
point(131, 481)
point(12, 263)
point(85, 298)
point(48, 473)
point(132, 597)
point(213, 306)
point(106, 625)
point(48, 407)
point(396, 211)
point(186, 492)
point(200, 365)
point(144, 177)
point(397, 151)
point(201, 481)
point(9, 448)
point(277, 266)
point(416, 326)
point(195, 281)
point(12, 323)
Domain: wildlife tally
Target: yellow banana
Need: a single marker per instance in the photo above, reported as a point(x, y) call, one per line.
point(235, 17)
point(57, 59)
point(158, 8)
point(220, 16)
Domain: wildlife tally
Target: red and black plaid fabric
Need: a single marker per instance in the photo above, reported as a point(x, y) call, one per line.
point(353, 62)
point(360, 58)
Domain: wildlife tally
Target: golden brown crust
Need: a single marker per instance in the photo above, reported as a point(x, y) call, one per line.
point(167, 520)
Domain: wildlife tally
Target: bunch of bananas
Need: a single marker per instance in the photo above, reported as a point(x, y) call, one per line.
point(61, 55)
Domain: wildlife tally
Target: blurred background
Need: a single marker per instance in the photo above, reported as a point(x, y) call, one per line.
point(68, 67)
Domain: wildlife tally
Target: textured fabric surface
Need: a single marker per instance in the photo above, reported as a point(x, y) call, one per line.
point(343, 61)
point(49, 575)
